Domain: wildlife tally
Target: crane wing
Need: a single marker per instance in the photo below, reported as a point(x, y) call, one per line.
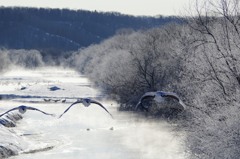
point(175, 96)
point(69, 108)
point(147, 95)
point(172, 96)
point(32, 108)
point(95, 102)
point(182, 104)
point(9, 111)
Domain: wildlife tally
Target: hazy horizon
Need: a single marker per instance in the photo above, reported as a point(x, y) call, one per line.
point(140, 8)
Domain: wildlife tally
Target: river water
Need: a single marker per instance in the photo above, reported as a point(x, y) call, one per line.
point(88, 133)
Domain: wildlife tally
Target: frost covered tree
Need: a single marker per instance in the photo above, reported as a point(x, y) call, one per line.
point(127, 65)
point(26, 58)
point(212, 73)
point(23, 58)
point(4, 61)
point(217, 35)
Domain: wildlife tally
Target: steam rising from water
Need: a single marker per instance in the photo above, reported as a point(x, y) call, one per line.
point(84, 132)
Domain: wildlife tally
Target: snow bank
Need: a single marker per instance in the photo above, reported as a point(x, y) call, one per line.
point(10, 143)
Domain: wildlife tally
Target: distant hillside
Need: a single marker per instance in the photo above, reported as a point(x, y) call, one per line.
point(65, 30)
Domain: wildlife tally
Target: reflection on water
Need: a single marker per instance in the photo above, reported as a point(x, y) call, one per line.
point(88, 132)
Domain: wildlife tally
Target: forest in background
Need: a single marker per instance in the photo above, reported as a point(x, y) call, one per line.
point(199, 60)
point(55, 31)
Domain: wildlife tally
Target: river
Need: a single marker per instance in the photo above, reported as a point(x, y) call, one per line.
point(83, 132)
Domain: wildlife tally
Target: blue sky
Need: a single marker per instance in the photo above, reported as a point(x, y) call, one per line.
point(133, 7)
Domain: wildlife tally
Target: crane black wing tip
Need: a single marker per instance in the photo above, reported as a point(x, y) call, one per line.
point(111, 116)
point(136, 107)
point(182, 104)
point(60, 116)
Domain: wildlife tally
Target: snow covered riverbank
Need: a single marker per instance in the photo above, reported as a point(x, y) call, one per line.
point(81, 132)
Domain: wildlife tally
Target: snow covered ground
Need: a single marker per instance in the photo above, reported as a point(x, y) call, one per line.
point(82, 132)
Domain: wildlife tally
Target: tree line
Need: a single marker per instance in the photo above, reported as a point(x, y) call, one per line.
point(58, 30)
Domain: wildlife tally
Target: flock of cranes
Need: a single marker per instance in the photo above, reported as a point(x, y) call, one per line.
point(158, 96)
point(85, 101)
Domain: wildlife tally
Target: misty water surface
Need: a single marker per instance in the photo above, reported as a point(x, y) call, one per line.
point(82, 132)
